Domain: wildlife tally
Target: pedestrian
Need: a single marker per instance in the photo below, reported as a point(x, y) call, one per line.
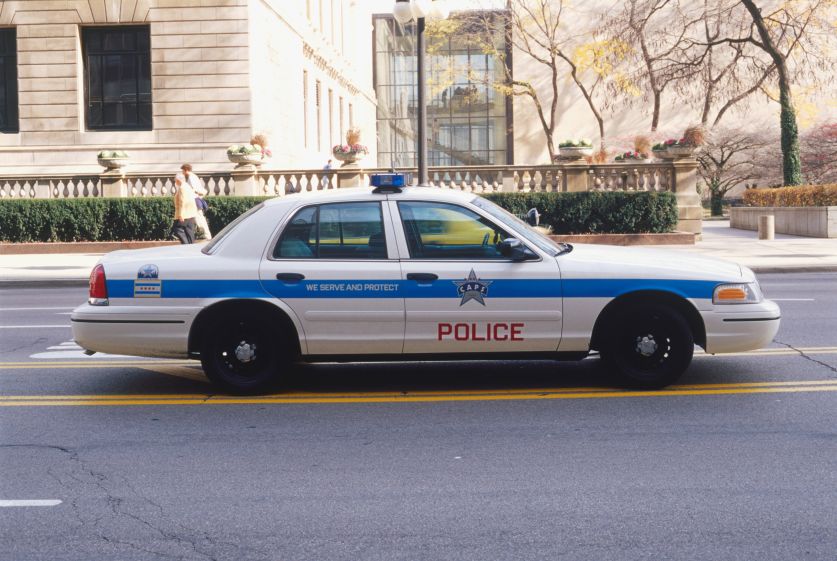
point(185, 211)
point(328, 164)
point(200, 191)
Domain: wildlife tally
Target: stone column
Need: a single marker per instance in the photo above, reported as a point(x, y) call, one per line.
point(575, 176)
point(113, 184)
point(689, 209)
point(349, 175)
point(246, 183)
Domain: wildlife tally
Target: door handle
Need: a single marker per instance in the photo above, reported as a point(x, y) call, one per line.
point(290, 277)
point(422, 277)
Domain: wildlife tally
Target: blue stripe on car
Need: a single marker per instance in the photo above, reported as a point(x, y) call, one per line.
point(442, 288)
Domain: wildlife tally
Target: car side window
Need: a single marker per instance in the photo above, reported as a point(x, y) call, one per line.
point(334, 231)
point(446, 231)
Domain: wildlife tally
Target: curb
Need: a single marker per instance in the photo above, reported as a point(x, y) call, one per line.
point(670, 238)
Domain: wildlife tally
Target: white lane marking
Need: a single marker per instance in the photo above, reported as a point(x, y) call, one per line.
point(44, 502)
point(792, 299)
point(27, 309)
point(33, 326)
point(70, 349)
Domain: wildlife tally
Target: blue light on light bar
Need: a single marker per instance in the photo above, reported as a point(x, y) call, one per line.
point(389, 179)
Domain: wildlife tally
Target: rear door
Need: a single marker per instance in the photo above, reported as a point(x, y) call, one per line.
point(462, 295)
point(336, 266)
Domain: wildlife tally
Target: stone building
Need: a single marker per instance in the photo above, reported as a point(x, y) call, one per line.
point(172, 81)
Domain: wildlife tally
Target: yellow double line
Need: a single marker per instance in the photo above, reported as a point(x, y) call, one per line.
point(419, 396)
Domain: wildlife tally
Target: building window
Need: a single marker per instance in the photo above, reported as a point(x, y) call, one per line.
point(468, 120)
point(318, 100)
point(305, 107)
point(117, 72)
point(8, 81)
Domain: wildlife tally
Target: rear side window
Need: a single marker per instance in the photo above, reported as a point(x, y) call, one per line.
point(334, 231)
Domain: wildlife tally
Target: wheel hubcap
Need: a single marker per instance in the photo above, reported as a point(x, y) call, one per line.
point(646, 345)
point(245, 352)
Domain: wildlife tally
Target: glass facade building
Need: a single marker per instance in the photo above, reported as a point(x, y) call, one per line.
point(468, 120)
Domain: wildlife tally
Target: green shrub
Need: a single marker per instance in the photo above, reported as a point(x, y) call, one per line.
point(69, 220)
point(807, 195)
point(94, 220)
point(596, 212)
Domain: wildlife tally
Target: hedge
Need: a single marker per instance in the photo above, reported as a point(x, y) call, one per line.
point(68, 220)
point(95, 220)
point(808, 195)
point(612, 212)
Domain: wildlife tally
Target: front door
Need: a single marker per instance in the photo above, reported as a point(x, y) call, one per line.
point(462, 295)
point(332, 266)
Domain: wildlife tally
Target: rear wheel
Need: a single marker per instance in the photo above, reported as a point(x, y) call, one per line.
point(648, 346)
point(242, 354)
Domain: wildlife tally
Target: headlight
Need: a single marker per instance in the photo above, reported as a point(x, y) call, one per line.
point(745, 293)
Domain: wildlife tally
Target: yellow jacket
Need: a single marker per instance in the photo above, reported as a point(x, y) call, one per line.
point(184, 202)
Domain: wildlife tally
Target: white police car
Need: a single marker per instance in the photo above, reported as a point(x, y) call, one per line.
point(401, 274)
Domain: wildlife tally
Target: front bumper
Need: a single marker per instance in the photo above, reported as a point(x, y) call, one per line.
point(738, 328)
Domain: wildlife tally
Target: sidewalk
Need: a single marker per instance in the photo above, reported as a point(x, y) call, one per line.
point(784, 254)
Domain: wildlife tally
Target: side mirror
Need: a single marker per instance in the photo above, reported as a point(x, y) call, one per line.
point(533, 217)
point(515, 250)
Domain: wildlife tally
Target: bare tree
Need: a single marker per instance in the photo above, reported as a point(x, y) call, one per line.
point(793, 38)
point(819, 153)
point(728, 159)
point(659, 31)
point(537, 29)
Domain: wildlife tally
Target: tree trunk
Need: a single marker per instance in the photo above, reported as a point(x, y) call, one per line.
point(716, 202)
point(655, 118)
point(791, 162)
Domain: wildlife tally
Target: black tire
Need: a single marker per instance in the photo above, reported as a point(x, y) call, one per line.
point(648, 346)
point(242, 355)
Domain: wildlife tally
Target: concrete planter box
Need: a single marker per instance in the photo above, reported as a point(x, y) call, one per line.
point(810, 221)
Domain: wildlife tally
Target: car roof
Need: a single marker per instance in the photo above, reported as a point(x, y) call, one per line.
point(367, 193)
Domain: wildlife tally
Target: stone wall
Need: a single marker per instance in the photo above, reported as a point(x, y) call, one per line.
point(814, 221)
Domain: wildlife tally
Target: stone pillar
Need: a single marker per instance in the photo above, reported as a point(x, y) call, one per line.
point(245, 178)
point(575, 176)
point(113, 184)
point(349, 175)
point(689, 209)
point(42, 190)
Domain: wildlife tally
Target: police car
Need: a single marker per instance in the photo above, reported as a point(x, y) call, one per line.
point(413, 273)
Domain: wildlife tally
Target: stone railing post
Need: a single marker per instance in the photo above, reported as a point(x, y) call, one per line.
point(575, 176)
point(113, 184)
point(246, 183)
point(689, 209)
point(348, 175)
point(42, 189)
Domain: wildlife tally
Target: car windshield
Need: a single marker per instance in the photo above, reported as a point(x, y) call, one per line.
point(219, 237)
point(521, 227)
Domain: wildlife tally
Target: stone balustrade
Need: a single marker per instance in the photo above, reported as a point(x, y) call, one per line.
point(677, 176)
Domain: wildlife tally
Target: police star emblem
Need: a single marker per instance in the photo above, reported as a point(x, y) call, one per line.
point(472, 288)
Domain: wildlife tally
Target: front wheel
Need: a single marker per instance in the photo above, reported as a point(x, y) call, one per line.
point(241, 355)
point(648, 346)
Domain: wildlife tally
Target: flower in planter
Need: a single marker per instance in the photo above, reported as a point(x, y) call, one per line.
point(575, 143)
point(112, 155)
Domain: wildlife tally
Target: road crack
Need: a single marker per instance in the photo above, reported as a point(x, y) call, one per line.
point(802, 353)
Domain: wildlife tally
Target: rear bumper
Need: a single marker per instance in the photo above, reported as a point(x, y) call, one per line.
point(731, 329)
point(114, 331)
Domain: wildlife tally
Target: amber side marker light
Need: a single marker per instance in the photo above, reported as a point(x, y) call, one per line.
point(736, 294)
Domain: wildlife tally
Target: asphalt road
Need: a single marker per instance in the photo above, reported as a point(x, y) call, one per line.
point(482, 461)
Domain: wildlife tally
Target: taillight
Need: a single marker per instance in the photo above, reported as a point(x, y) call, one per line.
point(98, 287)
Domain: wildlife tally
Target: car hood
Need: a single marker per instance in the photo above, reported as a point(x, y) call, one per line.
point(601, 261)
